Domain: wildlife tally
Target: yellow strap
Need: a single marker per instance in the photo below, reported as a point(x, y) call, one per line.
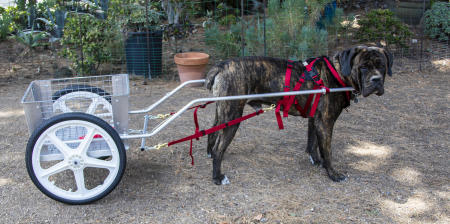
point(162, 116)
point(159, 146)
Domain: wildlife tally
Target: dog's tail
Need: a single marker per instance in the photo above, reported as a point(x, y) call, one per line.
point(211, 76)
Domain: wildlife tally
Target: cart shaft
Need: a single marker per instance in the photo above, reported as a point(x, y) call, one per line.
point(201, 100)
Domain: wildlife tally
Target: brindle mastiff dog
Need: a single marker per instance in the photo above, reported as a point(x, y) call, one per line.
point(363, 68)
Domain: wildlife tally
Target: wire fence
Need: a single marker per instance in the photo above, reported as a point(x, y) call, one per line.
point(110, 37)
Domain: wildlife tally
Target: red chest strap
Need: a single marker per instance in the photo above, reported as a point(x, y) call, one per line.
point(336, 76)
point(285, 100)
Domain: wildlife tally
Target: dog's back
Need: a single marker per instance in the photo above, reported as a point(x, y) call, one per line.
point(239, 75)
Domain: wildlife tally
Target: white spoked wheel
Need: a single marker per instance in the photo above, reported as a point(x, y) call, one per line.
point(84, 101)
point(63, 158)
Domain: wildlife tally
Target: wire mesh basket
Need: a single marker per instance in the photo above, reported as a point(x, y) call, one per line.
point(104, 96)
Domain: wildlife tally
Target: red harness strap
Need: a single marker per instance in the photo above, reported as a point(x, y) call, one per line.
point(202, 133)
point(286, 99)
point(216, 128)
point(336, 76)
point(195, 113)
point(196, 125)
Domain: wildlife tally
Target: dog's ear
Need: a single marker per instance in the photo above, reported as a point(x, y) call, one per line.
point(346, 60)
point(390, 61)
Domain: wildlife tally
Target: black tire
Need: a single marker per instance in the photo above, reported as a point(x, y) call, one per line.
point(81, 117)
point(77, 87)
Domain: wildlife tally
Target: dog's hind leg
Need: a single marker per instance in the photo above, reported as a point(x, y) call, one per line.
point(311, 147)
point(226, 111)
point(212, 137)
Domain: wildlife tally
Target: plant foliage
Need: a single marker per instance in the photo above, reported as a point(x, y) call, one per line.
point(227, 42)
point(18, 18)
point(32, 39)
point(87, 42)
point(381, 25)
point(291, 32)
point(131, 15)
point(5, 26)
point(437, 21)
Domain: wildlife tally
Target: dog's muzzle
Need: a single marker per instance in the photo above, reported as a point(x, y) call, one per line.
point(377, 82)
point(374, 85)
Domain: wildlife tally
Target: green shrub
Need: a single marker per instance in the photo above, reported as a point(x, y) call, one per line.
point(227, 20)
point(5, 26)
point(226, 43)
point(21, 4)
point(131, 16)
point(437, 21)
point(32, 38)
point(381, 25)
point(18, 18)
point(291, 32)
point(87, 42)
point(194, 8)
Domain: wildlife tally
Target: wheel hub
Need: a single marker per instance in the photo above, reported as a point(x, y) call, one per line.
point(76, 162)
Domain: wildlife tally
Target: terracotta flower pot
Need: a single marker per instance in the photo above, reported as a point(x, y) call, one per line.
point(191, 66)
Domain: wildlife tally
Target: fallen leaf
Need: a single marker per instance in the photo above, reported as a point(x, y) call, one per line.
point(258, 217)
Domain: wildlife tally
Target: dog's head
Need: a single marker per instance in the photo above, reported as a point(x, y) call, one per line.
point(366, 68)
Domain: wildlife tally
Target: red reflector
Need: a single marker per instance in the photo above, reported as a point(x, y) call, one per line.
point(95, 136)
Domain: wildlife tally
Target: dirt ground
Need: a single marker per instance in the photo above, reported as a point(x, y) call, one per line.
point(394, 148)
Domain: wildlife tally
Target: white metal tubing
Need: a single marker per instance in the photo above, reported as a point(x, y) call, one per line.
point(151, 107)
point(238, 97)
point(144, 130)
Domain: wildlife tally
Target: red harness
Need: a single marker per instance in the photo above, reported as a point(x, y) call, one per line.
point(310, 73)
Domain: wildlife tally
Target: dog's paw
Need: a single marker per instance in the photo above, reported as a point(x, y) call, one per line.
point(315, 161)
point(222, 180)
point(336, 176)
point(225, 180)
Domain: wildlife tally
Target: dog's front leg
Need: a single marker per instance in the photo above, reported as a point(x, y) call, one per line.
point(211, 141)
point(324, 131)
point(311, 147)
